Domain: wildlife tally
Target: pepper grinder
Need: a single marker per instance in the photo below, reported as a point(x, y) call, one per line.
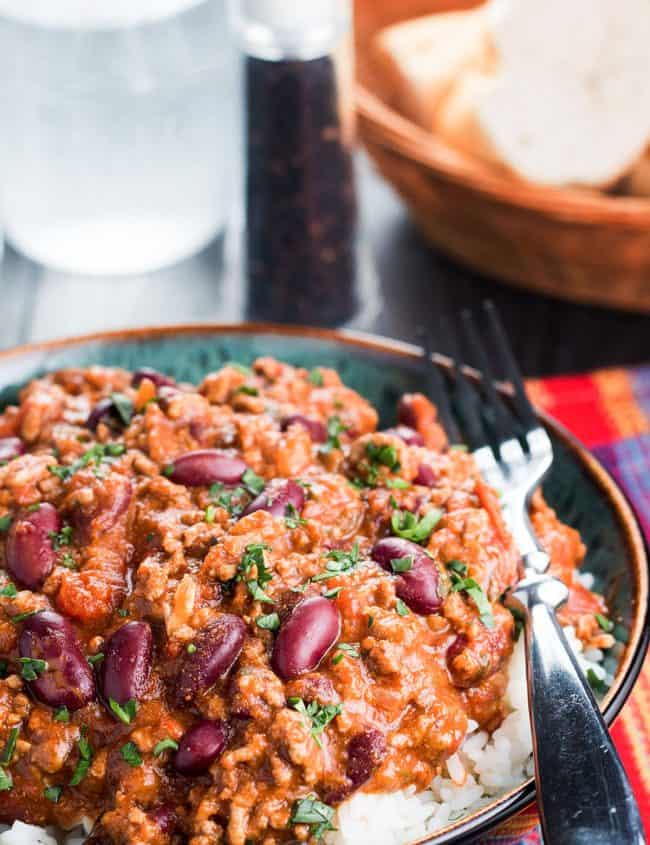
point(299, 245)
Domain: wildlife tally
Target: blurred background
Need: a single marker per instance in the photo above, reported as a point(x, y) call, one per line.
point(376, 165)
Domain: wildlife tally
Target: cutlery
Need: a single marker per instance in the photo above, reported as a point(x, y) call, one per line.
point(583, 793)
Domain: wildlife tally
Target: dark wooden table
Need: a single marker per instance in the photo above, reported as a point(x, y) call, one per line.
point(415, 284)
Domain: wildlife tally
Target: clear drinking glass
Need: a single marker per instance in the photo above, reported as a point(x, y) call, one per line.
point(114, 141)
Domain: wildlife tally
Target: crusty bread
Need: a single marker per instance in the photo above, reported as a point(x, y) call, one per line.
point(456, 118)
point(417, 62)
point(571, 103)
point(554, 92)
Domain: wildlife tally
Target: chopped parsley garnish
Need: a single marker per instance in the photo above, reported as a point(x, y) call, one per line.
point(98, 454)
point(606, 624)
point(123, 612)
point(475, 592)
point(318, 717)
point(124, 712)
point(68, 561)
point(10, 747)
point(380, 455)
point(520, 621)
point(210, 511)
point(401, 608)
point(343, 649)
point(85, 759)
point(123, 406)
point(397, 484)
point(20, 617)
point(597, 684)
point(131, 754)
point(418, 529)
point(402, 564)
point(190, 648)
point(61, 538)
point(53, 793)
point(5, 522)
point(3, 668)
point(34, 508)
point(168, 470)
point(371, 621)
point(334, 429)
point(61, 714)
point(9, 591)
point(314, 813)
point(316, 377)
point(253, 558)
point(338, 562)
point(269, 622)
point(458, 567)
point(6, 781)
point(292, 518)
point(332, 593)
point(247, 390)
point(166, 744)
point(93, 659)
point(32, 667)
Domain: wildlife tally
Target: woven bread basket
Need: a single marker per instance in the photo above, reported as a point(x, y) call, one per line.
point(580, 245)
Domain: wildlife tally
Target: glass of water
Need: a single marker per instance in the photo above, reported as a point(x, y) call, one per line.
point(114, 130)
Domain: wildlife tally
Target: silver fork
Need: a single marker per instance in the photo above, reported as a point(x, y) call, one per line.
point(583, 792)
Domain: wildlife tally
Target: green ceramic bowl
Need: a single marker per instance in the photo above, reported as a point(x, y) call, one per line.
point(581, 491)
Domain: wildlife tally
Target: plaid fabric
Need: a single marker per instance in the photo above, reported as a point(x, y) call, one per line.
point(609, 411)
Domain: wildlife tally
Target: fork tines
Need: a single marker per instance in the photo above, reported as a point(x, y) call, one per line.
point(485, 414)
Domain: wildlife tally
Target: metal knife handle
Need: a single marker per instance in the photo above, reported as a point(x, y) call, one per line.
point(583, 792)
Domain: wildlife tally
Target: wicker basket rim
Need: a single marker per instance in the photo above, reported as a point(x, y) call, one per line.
point(385, 126)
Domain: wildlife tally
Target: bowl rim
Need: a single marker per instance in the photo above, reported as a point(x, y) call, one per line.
point(382, 124)
point(465, 830)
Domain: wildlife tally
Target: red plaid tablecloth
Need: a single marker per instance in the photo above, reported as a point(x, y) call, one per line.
point(609, 411)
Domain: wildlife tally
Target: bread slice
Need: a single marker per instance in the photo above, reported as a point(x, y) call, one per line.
point(417, 62)
point(456, 120)
point(571, 100)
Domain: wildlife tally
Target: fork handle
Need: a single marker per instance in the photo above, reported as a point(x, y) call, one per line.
point(584, 795)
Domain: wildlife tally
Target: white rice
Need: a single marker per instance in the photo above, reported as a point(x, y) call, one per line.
point(484, 768)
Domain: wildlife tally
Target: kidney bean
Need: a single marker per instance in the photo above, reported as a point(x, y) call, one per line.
point(200, 746)
point(305, 638)
point(165, 817)
point(418, 586)
point(158, 378)
point(206, 466)
point(425, 476)
point(276, 497)
point(217, 648)
point(406, 413)
point(103, 411)
point(30, 555)
point(418, 589)
point(409, 435)
point(11, 447)
point(366, 751)
point(393, 548)
point(317, 430)
point(458, 644)
point(124, 671)
point(68, 680)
